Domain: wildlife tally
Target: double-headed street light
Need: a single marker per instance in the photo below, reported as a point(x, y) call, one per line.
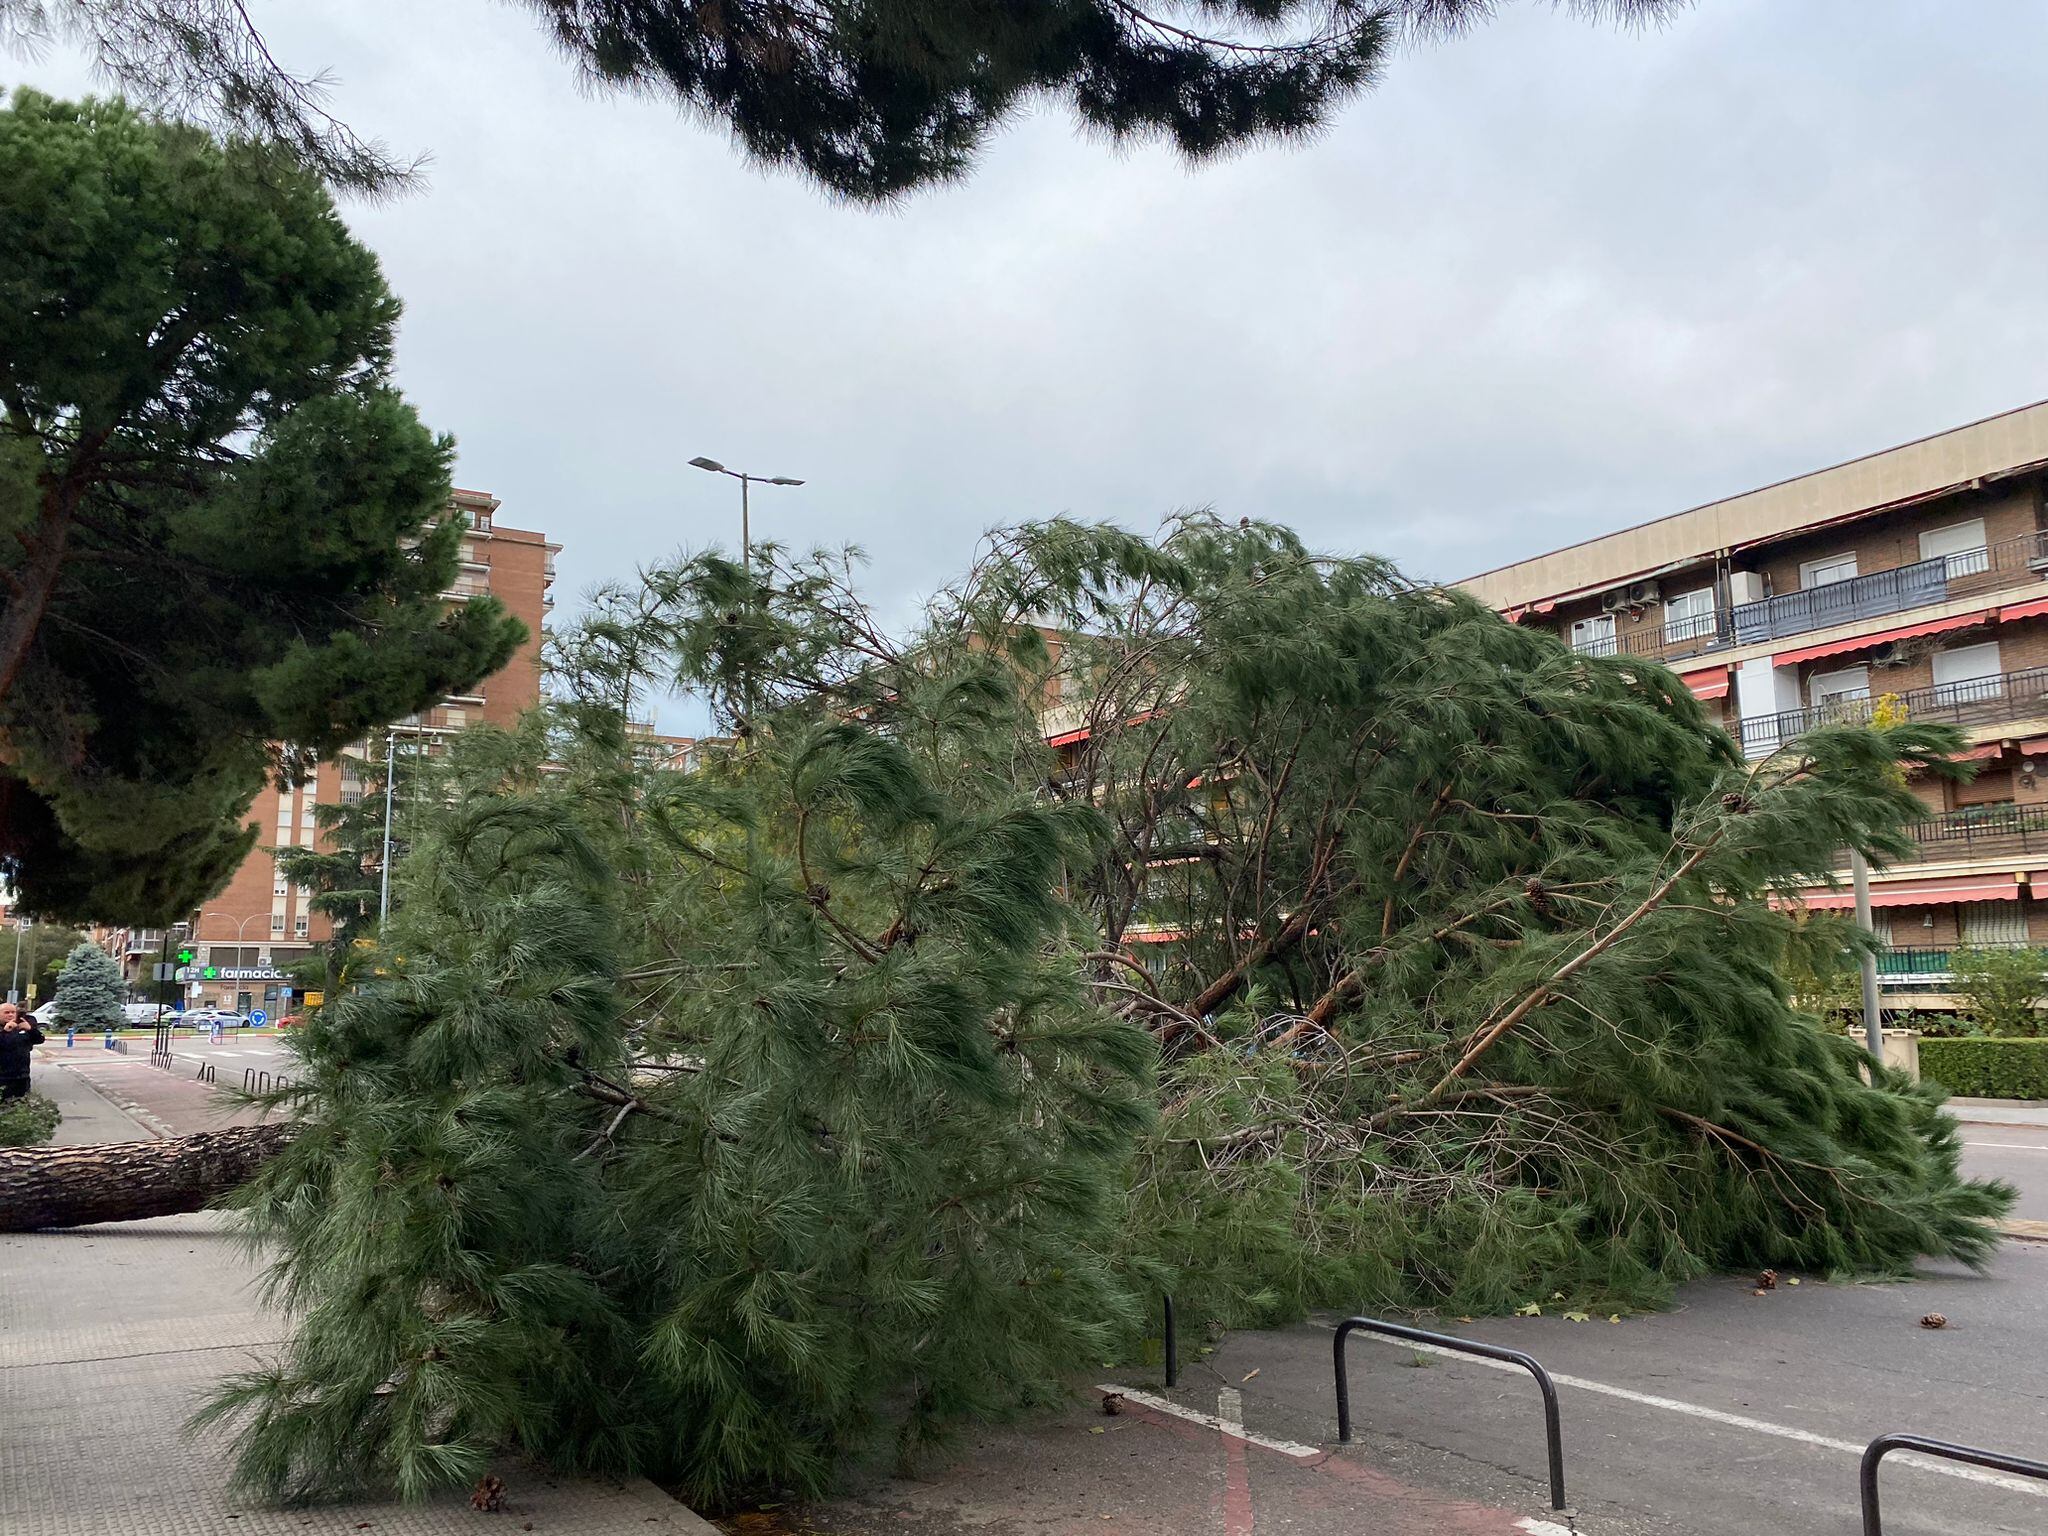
point(745, 480)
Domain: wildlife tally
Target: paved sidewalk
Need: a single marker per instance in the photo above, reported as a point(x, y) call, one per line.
point(111, 1335)
point(1998, 1112)
point(158, 1102)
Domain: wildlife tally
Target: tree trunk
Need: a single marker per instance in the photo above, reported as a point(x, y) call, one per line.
point(129, 1180)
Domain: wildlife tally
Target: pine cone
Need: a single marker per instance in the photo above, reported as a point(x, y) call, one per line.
point(1112, 1403)
point(489, 1495)
point(1735, 805)
point(1934, 1320)
point(1768, 1280)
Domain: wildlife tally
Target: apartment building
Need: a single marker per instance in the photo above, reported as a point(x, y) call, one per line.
point(1917, 575)
point(246, 936)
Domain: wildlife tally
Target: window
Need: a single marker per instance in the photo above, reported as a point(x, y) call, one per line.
point(1594, 636)
point(1960, 544)
point(1967, 673)
point(277, 886)
point(1689, 616)
point(1827, 571)
point(299, 926)
point(277, 922)
point(1849, 683)
point(1993, 923)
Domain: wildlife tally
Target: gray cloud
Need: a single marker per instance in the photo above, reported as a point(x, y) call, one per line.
point(1550, 280)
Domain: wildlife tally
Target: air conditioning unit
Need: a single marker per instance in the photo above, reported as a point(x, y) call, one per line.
point(1615, 601)
point(1888, 655)
point(1745, 587)
point(1642, 593)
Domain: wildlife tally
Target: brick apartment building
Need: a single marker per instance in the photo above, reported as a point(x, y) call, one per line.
point(259, 923)
point(1920, 572)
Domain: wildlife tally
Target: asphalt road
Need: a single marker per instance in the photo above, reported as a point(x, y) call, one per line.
point(1727, 1415)
point(2016, 1153)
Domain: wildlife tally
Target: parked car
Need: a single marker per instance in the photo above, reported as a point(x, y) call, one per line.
point(143, 1014)
point(45, 1015)
point(206, 1018)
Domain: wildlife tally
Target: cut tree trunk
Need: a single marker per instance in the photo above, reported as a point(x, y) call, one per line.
point(44, 1187)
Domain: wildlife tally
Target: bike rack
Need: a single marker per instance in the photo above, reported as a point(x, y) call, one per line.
point(1451, 1341)
point(1876, 1451)
point(205, 1073)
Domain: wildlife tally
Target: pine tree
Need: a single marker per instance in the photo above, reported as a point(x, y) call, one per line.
point(1470, 988)
point(869, 98)
point(729, 1124)
point(89, 990)
point(226, 529)
point(719, 1125)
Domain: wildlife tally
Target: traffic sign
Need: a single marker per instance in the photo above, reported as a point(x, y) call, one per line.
point(258, 1017)
point(165, 972)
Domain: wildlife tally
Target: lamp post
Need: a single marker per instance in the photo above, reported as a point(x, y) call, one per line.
point(745, 480)
point(14, 981)
point(240, 923)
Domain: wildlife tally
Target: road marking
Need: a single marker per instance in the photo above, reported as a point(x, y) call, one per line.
point(1214, 1421)
point(1537, 1527)
point(1237, 1478)
point(1733, 1420)
point(2017, 1146)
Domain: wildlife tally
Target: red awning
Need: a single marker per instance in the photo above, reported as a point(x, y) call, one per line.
point(1067, 738)
point(2032, 610)
point(1913, 893)
point(1865, 642)
point(1976, 754)
point(1710, 684)
point(2033, 745)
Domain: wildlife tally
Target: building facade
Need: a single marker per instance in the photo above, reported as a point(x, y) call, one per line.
point(246, 936)
point(1915, 579)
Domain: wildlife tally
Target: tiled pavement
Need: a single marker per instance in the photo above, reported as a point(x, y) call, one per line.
point(109, 1336)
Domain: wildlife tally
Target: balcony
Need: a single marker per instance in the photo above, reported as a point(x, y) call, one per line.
point(1909, 968)
point(2021, 695)
point(1995, 567)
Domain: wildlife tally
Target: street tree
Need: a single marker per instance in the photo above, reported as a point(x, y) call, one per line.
point(90, 992)
point(1464, 951)
point(1371, 951)
point(32, 954)
point(226, 539)
point(868, 98)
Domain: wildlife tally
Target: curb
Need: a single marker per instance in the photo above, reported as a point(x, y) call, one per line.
point(2024, 1230)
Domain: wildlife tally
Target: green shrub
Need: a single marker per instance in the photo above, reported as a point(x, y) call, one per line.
point(1987, 1068)
point(2002, 990)
point(28, 1121)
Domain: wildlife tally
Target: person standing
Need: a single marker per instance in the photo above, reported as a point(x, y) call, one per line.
point(19, 1036)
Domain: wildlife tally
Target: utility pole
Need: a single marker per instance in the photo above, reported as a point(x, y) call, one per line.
point(14, 981)
point(1873, 1020)
point(384, 875)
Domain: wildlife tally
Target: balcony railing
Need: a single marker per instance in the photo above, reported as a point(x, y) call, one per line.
point(2021, 695)
point(1992, 567)
point(1906, 967)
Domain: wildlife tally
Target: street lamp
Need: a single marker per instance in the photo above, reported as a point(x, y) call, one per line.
point(745, 480)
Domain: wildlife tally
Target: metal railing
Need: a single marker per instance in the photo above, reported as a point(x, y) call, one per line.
point(1450, 1341)
point(1883, 1445)
point(2017, 695)
point(1904, 966)
point(1989, 568)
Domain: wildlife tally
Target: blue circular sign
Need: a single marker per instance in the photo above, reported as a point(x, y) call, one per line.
point(257, 1016)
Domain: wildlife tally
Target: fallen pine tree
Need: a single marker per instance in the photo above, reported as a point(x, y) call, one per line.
point(44, 1187)
point(1371, 951)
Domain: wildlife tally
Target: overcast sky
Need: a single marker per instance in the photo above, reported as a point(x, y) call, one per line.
point(1552, 279)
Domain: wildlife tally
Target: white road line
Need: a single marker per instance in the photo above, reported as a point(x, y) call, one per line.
point(1537, 1527)
point(1230, 1411)
point(1213, 1421)
point(2017, 1146)
point(1733, 1420)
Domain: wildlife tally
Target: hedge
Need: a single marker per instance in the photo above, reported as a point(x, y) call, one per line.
point(1987, 1069)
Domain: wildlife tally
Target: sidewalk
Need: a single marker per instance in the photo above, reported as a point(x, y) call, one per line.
point(1998, 1112)
point(111, 1335)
